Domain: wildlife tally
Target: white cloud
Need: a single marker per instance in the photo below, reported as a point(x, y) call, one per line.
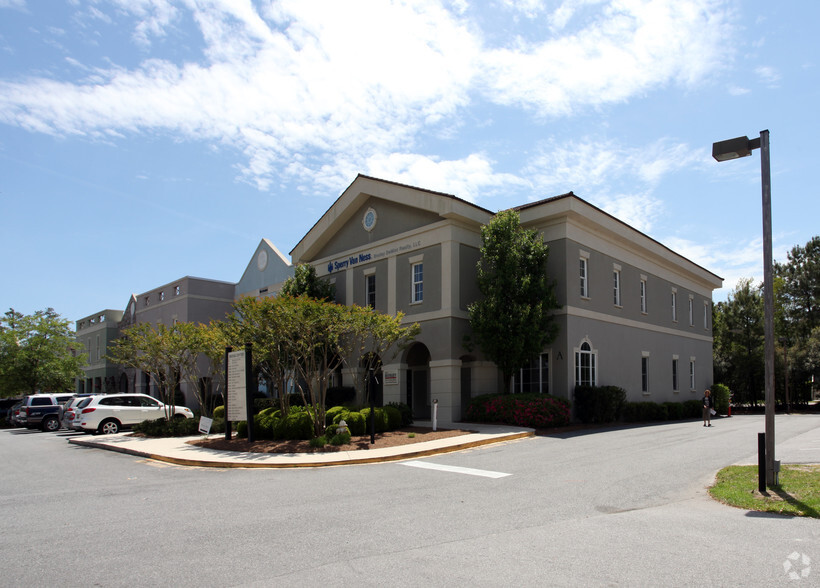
point(321, 88)
point(768, 76)
point(633, 46)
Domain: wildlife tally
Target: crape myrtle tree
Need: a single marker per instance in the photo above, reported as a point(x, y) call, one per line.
point(307, 340)
point(167, 354)
point(267, 324)
point(38, 353)
point(377, 339)
point(512, 322)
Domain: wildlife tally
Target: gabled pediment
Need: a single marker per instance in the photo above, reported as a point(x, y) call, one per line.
point(394, 208)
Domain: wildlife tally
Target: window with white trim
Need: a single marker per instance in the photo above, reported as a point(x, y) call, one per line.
point(585, 365)
point(616, 285)
point(645, 372)
point(534, 377)
point(674, 306)
point(692, 373)
point(707, 311)
point(584, 274)
point(370, 290)
point(691, 311)
point(417, 294)
point(643, 295)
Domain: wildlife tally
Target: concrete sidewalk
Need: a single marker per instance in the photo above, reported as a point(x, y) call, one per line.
point(178, 451)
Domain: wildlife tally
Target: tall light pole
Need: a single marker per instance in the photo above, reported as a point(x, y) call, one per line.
point(733, 149)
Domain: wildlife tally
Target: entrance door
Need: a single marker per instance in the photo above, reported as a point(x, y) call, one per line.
point(421, 394)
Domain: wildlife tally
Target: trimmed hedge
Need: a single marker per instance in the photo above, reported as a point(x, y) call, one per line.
point(537, 411)
point(599, 404)
point(406, 412)
point(721, 395)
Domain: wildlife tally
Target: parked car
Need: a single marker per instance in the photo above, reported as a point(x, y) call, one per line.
point(69, 410)
point(42, 411)
point(14, 414)
point(7, 407)
point(112, 412)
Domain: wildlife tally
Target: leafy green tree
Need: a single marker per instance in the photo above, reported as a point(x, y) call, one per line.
point(800, 291)
point(167, 354)
point(738, 346)
point(306, 282)
point(797, 298)
point(513, 321)
point(38, 353)
point(376, 339)
point(268, 325)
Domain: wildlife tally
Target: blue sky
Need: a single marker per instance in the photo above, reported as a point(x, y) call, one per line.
point(145, 140)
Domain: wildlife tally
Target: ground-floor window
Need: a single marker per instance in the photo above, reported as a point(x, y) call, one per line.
point(586, 359)
point(534, 377)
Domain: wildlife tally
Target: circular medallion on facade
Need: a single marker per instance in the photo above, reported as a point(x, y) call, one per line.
point(369, 219)
point(262, 260)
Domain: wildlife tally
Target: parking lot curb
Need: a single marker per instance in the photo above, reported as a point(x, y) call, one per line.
point(297, 460)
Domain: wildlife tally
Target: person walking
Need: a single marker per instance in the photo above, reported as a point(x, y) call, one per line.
point(708, 408)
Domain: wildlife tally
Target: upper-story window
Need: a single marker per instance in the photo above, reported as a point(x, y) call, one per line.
point(584, 274)
point(616, 285)
point(418, 282)
point(147, 300)
point(706, 313)
point(674, 305)
point(162, 296)
point(370, 290)
point(643, 295)
point(176, 291)
point(691, 311)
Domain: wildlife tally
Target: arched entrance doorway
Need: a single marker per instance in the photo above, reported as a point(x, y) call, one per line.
point(418, 380)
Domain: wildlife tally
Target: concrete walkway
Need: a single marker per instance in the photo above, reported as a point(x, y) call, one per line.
point(177, 450)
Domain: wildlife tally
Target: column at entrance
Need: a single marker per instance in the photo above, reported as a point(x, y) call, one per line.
point(394, 380)
point(445, 386)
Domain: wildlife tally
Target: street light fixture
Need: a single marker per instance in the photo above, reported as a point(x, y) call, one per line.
point(734, 149)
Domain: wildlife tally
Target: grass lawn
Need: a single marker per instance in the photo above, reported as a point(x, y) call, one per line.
point(798, 493)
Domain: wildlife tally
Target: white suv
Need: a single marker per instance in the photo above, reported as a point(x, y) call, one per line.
point(111, 412)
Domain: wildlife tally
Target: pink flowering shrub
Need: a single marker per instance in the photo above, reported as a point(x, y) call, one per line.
point(537, 411)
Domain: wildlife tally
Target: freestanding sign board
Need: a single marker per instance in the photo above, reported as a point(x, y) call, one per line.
point(237, 393)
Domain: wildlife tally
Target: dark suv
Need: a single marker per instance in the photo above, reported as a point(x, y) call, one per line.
point(42, 411)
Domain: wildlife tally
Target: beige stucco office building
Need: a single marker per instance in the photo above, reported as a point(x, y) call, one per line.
point(634, 313)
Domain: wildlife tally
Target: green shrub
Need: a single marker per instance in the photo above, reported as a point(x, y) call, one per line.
point(242, 429)
point(721, 394)
point(219, 412)
point(599, 404)
point(176, 427)
point(674, 410)
point(296, 425)
point(692, 409)
point(318, 442)
point(265, 423)
point(381, 420)
point(340, 439)
point(406, 413)
point(330, 413)
point(394, 419)
point(356, 423)
point(538, 411)
point(638, 412)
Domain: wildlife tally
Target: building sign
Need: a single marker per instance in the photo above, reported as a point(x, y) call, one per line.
point(237, 401)
point(391, 378)
point(348, 262)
